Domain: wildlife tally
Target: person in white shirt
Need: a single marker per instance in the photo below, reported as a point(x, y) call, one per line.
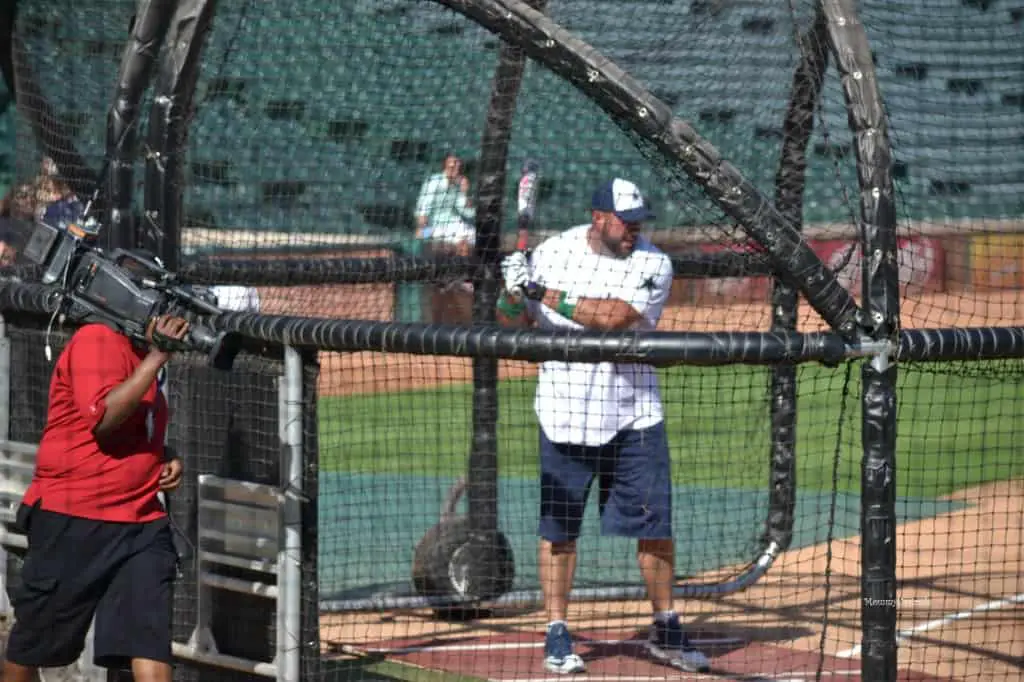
point(605, 420)
point(444, 224)
point(444, 214)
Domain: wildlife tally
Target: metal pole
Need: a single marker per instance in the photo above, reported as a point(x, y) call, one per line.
point(289, 609)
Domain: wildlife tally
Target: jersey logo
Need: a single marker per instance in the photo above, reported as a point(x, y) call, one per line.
point(649, 284)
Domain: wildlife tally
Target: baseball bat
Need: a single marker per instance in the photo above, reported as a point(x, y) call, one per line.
point(527, 202)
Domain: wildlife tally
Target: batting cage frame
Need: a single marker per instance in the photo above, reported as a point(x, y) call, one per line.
point(276, 589)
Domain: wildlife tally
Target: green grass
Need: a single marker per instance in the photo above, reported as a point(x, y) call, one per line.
point(953, 430)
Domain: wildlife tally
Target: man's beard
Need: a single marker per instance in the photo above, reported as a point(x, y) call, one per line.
point(617, 247)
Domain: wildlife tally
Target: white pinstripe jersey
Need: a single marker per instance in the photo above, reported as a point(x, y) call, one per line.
point(586, 403)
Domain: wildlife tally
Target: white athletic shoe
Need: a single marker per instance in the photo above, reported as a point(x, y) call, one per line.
point(667, 643)
point(559, 657)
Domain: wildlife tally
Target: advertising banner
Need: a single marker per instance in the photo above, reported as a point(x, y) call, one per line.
point(921, 263)
point(997, 261)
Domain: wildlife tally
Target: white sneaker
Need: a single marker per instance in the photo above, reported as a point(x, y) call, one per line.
point(559, 657)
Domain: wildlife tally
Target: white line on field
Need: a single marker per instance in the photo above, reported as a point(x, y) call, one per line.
point(994, 605)
point(498, 646)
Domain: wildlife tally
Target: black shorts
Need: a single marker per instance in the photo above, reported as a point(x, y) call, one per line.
point(76, 568)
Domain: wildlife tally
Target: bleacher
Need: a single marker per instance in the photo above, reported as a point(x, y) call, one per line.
point(327, 116)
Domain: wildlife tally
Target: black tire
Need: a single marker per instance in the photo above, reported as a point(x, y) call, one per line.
point(450, 561)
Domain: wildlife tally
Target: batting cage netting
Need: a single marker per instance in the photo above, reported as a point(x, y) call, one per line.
point(837, 186)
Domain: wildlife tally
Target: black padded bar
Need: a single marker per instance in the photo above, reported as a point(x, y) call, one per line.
point(322, 270)
point(720, 264)
point(952, 344)
point(916, 345)
point(881, 296)
point(633, 107)
point(169, 117)
point(295, 271)
point(790, 183)
point(878, 522)
point(758, 348)
point(137, 63)
point(482, 469)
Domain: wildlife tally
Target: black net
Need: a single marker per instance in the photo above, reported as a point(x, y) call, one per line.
point(952, 75)
point(302, 141)
point(228, 426)
point(314, 132)
point(65, 59)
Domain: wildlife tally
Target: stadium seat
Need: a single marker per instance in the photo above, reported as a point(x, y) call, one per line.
point(362, 111)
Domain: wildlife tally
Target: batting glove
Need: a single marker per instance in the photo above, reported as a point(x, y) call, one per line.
point(516, 273)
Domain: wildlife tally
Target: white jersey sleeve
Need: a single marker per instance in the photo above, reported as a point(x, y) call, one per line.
point(647, 288)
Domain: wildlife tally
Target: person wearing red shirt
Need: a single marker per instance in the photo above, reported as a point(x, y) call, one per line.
point(99, 540)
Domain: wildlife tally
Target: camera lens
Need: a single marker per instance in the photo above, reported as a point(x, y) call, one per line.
point(221, 348)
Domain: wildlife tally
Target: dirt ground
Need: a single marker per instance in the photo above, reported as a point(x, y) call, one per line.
point(366, 372)
point(960, 600)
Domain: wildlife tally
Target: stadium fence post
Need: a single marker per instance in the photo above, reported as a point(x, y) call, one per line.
point(289, 615)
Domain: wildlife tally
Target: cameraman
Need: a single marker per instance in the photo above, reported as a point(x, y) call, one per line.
point(99, 540)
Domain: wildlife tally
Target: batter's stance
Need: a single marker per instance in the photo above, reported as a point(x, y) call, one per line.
point(604, 420)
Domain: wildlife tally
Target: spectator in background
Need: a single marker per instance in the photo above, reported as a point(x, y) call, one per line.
point(49, 187)
point(29, 201)
point(444, 212)
point(444, 219)
point(8, 252)
point(18, 204)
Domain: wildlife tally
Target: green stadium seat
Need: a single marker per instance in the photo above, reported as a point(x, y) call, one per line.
point(363, 110)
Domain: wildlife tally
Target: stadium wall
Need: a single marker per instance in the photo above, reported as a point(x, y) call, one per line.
point(979, 257)
point(927, 265)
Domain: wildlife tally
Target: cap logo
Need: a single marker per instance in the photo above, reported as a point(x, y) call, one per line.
point(626, 195)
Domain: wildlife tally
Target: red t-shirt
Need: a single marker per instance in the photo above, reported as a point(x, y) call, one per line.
point(117, 480)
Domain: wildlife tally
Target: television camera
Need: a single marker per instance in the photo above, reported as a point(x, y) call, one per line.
point(124, 289)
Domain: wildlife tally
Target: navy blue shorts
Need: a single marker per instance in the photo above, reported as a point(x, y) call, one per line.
point(634, 486)
point(76, 568)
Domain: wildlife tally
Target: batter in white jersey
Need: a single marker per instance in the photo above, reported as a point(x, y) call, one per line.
point(587, 403)
point(604, 421)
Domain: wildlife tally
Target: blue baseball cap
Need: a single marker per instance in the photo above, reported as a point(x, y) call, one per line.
point(622, 198)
